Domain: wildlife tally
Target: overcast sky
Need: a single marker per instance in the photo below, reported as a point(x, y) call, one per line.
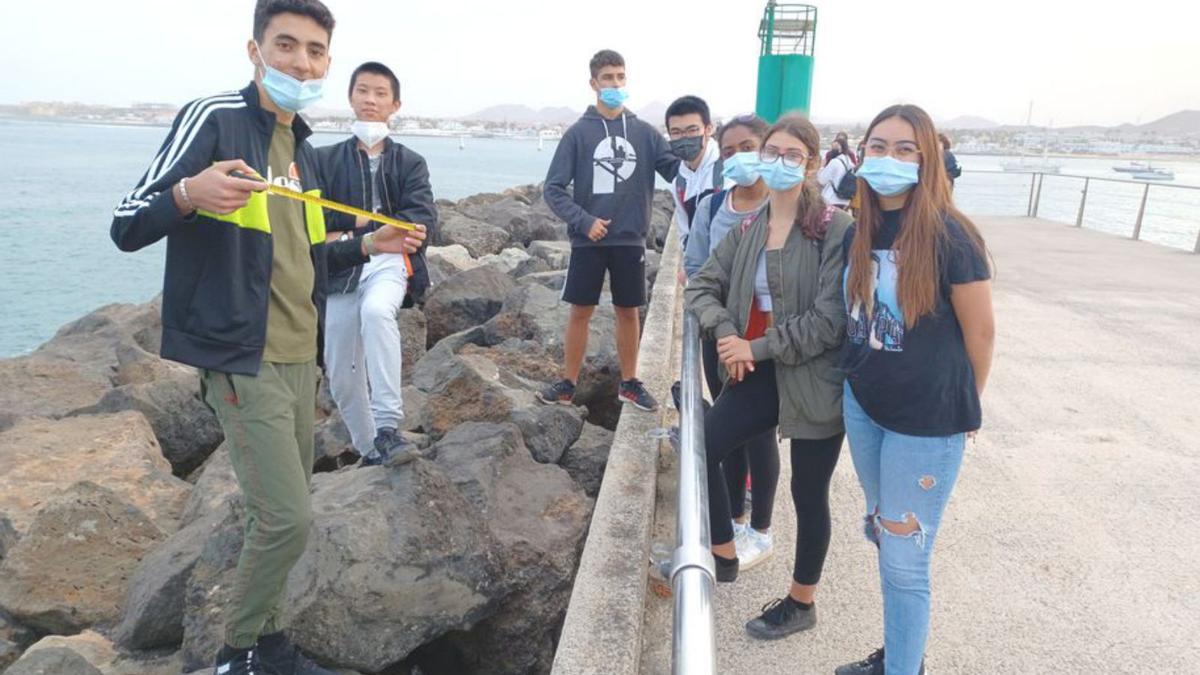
point(1078, 63)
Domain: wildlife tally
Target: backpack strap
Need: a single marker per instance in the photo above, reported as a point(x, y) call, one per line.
point(714, 204)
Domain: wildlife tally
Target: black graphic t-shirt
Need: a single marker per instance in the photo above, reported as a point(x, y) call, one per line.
point(916, 381)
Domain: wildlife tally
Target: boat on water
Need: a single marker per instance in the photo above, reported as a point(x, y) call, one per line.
point(1030, 165)
point(1155, 174)
point(1133, 167)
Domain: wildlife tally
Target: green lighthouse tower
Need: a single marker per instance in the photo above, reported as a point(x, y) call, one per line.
point(785, 64)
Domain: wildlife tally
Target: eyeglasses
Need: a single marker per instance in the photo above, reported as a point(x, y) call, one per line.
point(793, 159)
point(905, 151)
point(688, 132)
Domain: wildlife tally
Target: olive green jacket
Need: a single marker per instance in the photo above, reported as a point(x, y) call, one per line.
point(809, 313)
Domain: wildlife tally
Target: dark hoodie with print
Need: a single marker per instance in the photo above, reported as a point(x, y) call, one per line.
point(605, 169)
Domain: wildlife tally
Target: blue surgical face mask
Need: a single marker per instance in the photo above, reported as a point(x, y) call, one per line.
point(889, 176)
point(613, 97)
point(742, 168)
point(779, 177)
point(286, 91)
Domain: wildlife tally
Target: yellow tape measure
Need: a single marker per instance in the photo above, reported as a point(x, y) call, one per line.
point(328, 203)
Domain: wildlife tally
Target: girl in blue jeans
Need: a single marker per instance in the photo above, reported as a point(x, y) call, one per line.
point(917, 354)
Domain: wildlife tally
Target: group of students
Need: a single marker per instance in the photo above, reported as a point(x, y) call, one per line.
point(815, 327)
point(877, 327)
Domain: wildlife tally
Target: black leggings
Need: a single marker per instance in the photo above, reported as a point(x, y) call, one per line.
point(744, 411)
point(759, 457)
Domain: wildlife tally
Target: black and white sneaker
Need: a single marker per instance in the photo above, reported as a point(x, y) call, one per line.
point(232, 661)
point(872, 665)
point(280, 657)
point(780, 618)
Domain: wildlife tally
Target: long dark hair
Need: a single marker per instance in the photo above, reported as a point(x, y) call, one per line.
point(810, 216)
point(922, 225)
point(753, 123)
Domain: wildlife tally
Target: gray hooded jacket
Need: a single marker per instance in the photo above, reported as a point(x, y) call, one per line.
point(605, 169)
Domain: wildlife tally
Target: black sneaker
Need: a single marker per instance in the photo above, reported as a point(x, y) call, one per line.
point(280, 657)
point(727, 569)
point(391, 449)
point(632, 391)
point(872, 665)
point(677, 398)
point(780, 618)
point(232, 661)
point(561, 392)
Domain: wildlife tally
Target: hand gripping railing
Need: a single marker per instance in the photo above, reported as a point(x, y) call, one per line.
point(693, 644)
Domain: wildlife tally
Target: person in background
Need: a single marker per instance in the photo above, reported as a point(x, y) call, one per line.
point(835, 170)
point(362, 341)
point(953, 170)
point(717, 215)
point(601, 184)
point(841, 145)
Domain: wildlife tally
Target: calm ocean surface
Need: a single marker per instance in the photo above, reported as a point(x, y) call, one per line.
point(61, 182)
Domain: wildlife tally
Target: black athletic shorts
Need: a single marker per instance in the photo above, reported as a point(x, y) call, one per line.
point(626, 266)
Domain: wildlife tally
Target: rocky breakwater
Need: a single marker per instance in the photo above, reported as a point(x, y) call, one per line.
point(120, 518)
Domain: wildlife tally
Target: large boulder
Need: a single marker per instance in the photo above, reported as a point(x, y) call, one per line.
point(53, 661)
point(478, 237)
point(516, 216)
point(586, 458)
point(70, 569)
point(534, 312)
point(88, 653)
point(208, 590)
point(465, 300)
point(446, 261)
point(14, 639)
point(414, 336)
point(395, 557)
point(92, 341)
point(557, 254)
point(39, 458)
point(153, 611)
point(540, 518)
point(39, 386)
point(509, 261)
point(186, 428)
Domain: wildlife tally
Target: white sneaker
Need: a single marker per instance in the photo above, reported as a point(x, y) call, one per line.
point(753, 548)
point(740, 529)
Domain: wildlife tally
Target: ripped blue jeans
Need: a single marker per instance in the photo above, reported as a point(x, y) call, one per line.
point(905, 479)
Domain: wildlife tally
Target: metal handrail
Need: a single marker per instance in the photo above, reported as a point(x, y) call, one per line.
point(1076, 175)
point(1035, 194)
point(693, 571)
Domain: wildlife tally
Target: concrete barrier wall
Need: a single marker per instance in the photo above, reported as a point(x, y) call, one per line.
point(603, 628)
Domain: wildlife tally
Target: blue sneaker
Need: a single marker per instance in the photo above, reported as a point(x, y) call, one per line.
point(561, 392)
point(634, 392)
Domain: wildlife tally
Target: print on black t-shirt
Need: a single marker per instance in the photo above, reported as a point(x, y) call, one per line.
point(882, 323)
point(914, 380)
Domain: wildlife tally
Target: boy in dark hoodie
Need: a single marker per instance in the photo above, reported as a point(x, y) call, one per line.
point(601, 183)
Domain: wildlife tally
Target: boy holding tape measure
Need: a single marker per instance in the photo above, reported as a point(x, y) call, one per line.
point(244, 295)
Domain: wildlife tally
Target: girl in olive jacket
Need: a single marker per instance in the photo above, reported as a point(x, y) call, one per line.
point(771, 295)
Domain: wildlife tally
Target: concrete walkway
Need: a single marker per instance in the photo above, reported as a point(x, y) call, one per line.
point(1070, 543)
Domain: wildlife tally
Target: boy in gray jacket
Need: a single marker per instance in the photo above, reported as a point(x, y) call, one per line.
point(608, 159)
